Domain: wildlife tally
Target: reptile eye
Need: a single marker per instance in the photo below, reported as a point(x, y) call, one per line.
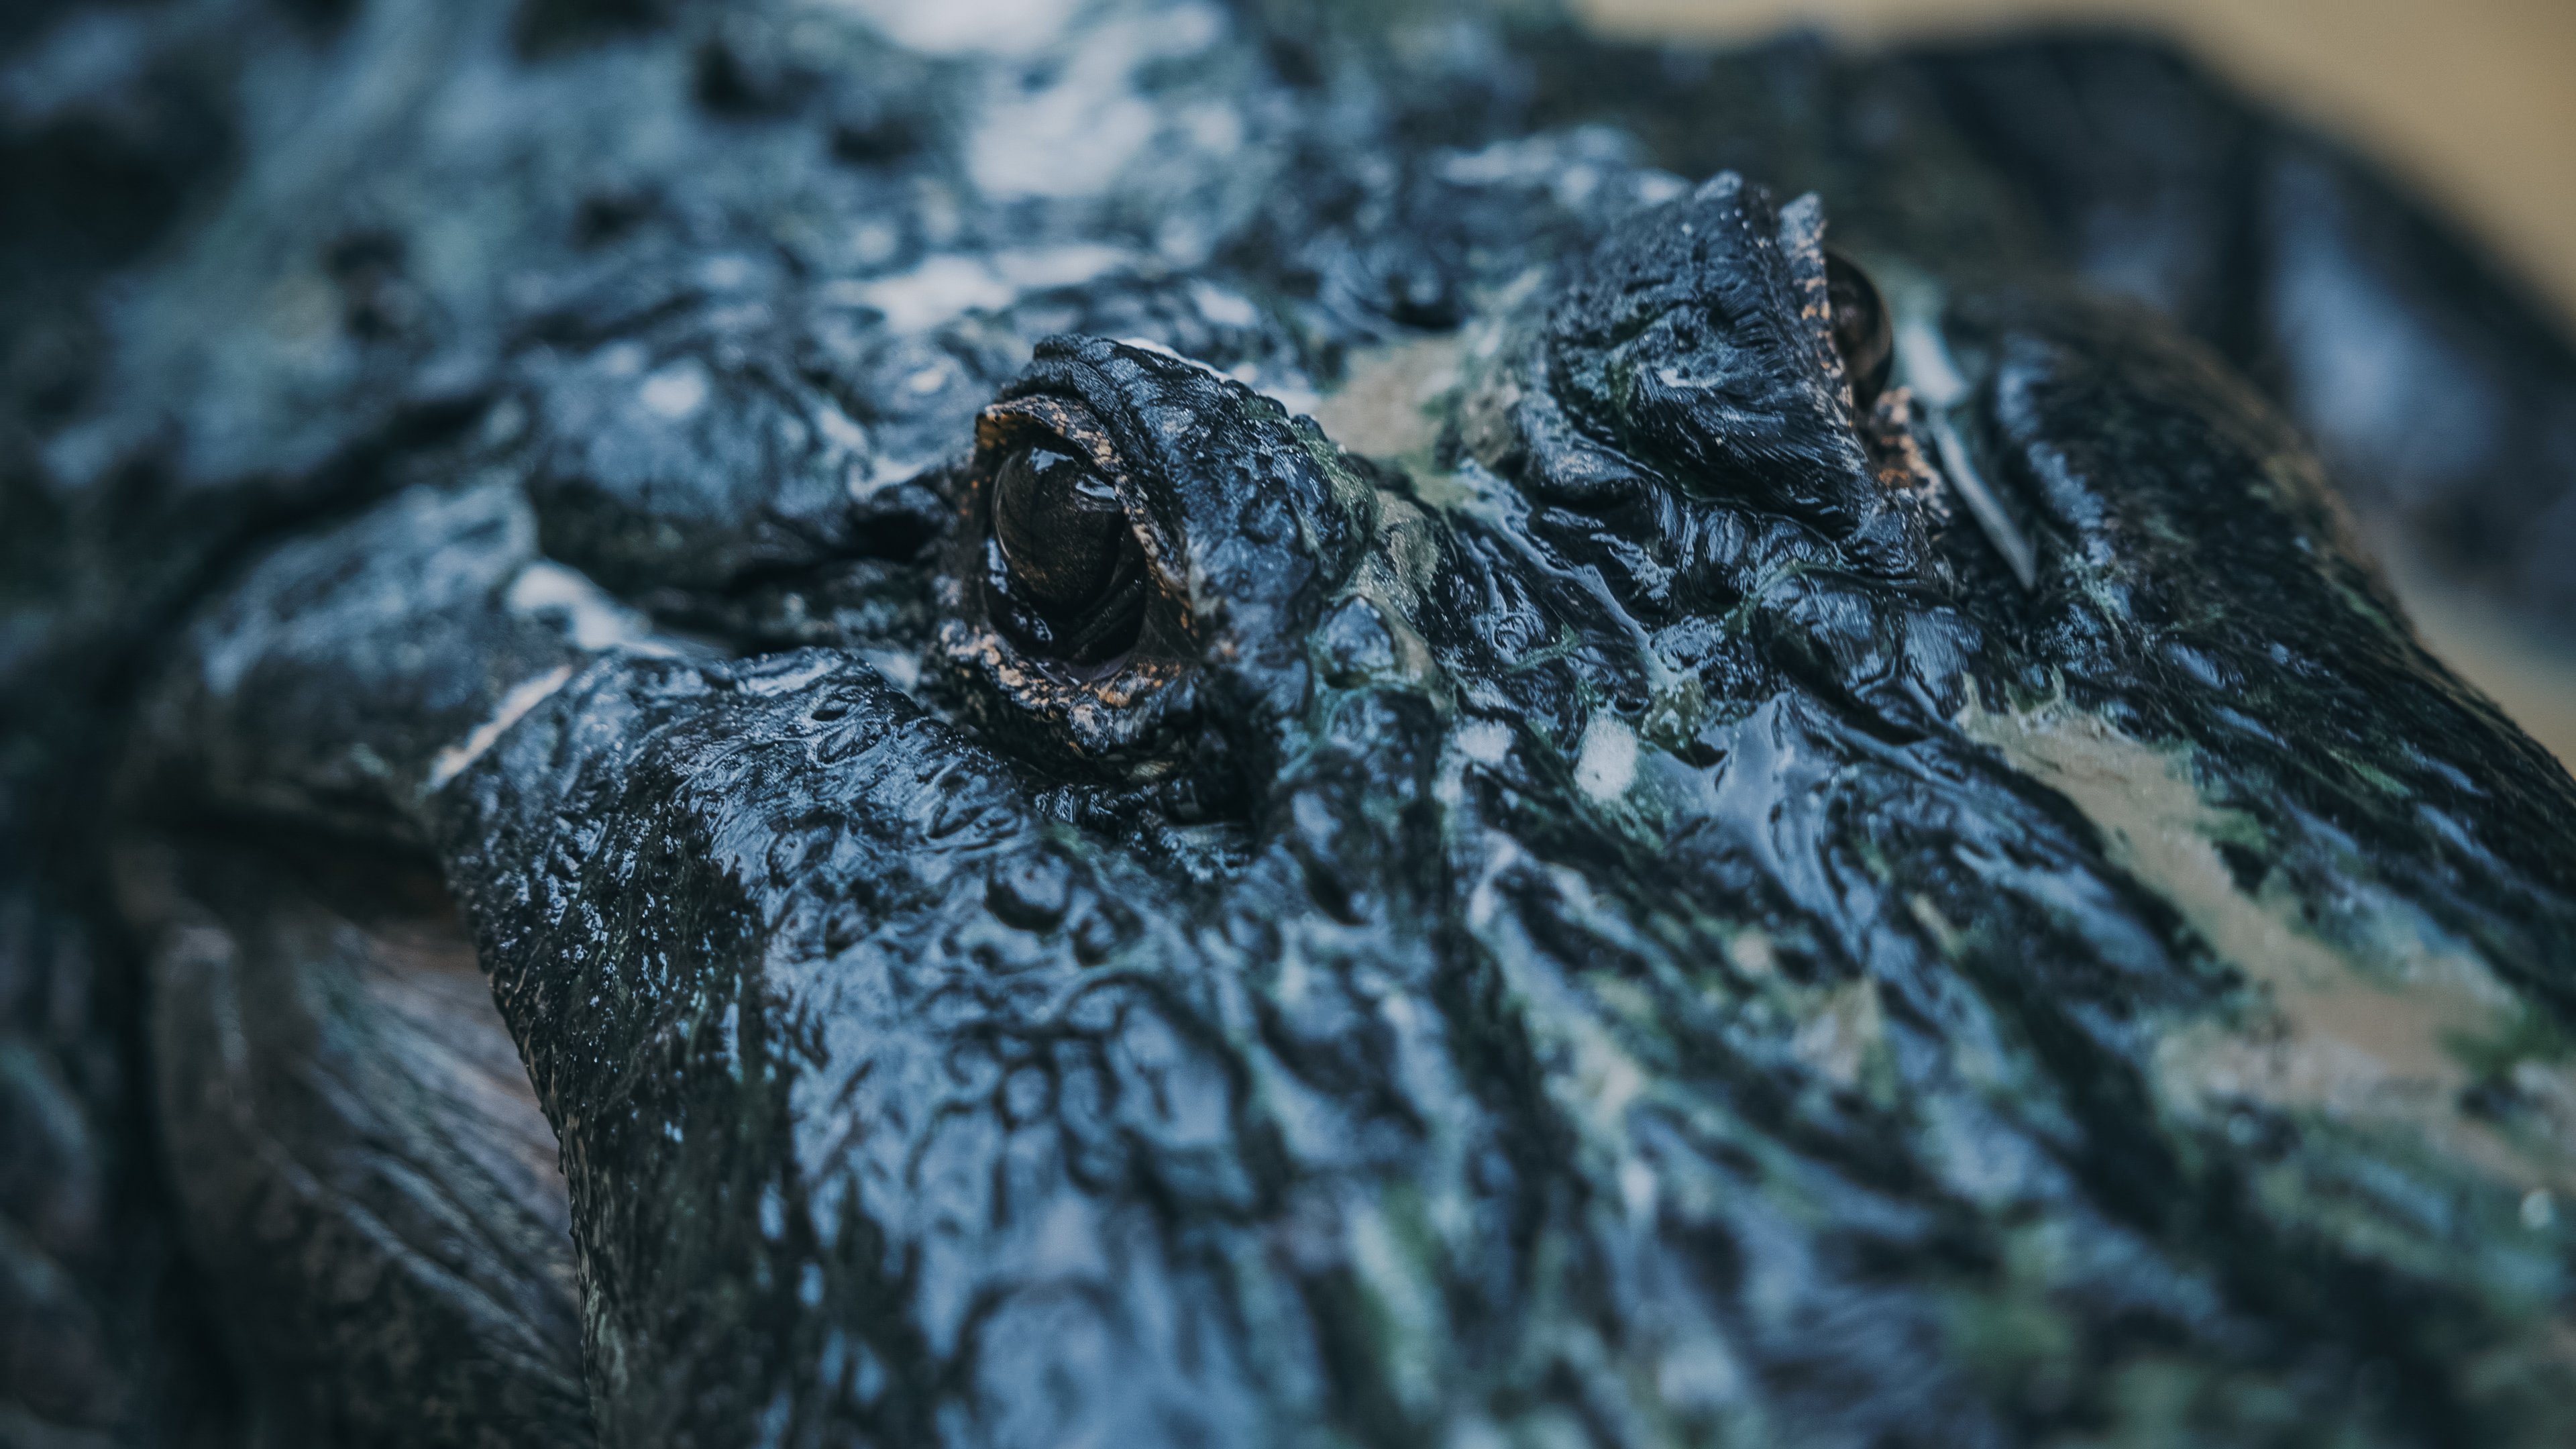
point(1064, 559)
point(1861, 329)
point(1060, 528)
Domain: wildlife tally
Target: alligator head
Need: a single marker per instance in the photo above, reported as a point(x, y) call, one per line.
point(1607, 911)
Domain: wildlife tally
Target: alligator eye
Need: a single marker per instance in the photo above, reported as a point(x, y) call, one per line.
point(1060, 527)
point(1861, 329)
point(1065, 560)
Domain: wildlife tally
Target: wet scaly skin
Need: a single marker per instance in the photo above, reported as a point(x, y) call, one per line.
point(1599, 912)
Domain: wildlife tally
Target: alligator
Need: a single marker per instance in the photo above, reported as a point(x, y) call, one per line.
point(1156, 722)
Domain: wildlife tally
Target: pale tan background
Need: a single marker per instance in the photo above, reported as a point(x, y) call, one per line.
point(2473, 101)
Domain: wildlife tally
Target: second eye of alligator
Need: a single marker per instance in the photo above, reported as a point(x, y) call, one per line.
point(1069, 566)
point(1862, 331)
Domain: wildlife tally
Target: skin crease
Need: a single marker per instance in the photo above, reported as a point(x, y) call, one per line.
point(1593, 908)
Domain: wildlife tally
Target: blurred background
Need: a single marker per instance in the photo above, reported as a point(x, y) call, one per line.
point(2472, 101)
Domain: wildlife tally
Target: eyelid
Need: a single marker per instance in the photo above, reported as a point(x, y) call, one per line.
point(1061, 422)
point(1067, 425)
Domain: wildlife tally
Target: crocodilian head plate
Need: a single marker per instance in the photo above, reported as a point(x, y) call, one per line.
point(1047, 896)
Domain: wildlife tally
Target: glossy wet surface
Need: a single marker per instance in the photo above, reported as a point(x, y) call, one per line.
point(1183, 725)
